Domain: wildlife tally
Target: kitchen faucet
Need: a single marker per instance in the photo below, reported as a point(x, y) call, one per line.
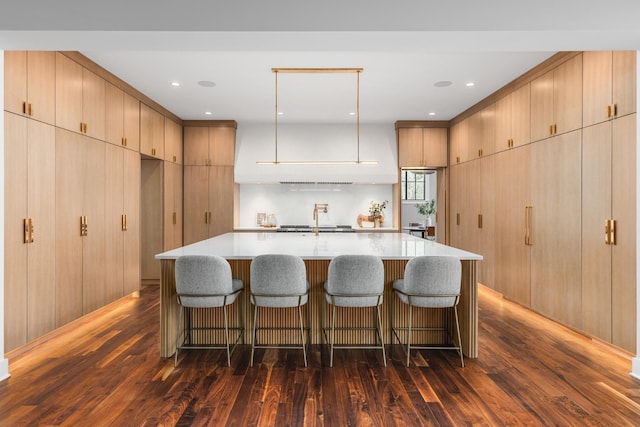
point(319, 207)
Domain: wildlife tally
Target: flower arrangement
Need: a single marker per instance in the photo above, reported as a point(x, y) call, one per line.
point(375, 209)
point(428, 208)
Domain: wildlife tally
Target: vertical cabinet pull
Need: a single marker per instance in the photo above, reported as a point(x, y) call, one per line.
point(27, 109)
point(458, 218)
point(479, 220)
point(123, 219)
point(175, 219)
point(610, 231)
point(84, 227)
point(28, 230)
point(527, 225)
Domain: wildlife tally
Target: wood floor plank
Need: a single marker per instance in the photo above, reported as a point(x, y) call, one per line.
point(530, 371)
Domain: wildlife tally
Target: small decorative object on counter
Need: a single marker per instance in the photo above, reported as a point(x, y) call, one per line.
point(261, 218)
point(375, 209)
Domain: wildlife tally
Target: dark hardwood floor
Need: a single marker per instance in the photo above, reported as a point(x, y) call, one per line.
point(106, 371)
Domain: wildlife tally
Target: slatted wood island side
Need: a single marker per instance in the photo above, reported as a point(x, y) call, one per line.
point(395, 250)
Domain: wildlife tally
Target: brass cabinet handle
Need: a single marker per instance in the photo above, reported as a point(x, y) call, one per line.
point(610, 232)
point(175, 219)
point(28, 230)
point(479, 220)
point(84, 227)
point(527, 225)
point(458, 218)
point(153, 151)
point(123, 219)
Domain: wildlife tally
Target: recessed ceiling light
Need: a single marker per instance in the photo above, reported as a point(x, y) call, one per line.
point(443, 83)
point(175, 84)
point(432, 113)
point(208, 113)
point(470, 84)
point(351, 113)
point(280, 113)
point(206, 83)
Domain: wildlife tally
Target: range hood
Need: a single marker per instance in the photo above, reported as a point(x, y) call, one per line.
point(333, 144)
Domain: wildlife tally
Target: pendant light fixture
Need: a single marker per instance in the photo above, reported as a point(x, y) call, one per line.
point(357, 160)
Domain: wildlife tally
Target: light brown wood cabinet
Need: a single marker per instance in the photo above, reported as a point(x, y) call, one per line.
point(481, 133)
point(556, 100)
point(122, 222)
point(609, 87)
point(172, 229)
point(30, 84)
point(29, 228)
point(210, 145)
point(512, 115)
point(208, 202)
point(151, 132)
point(608, 259)
point(80, 99)
point(80, 225)
point(422, 147)
point(459, 142)
point(555, 228)
point(172, 141)
point(512, 204)
point(122, 118)
point(209, 190)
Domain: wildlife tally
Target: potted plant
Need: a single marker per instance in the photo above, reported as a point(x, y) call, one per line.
point(427, 209)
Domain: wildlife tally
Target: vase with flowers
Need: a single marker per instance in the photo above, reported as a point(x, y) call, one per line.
point(375, 210)
point(427, 209)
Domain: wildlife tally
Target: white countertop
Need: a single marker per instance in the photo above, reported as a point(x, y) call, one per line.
point(247, 245)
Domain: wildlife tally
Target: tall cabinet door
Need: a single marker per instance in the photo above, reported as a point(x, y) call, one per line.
point(70, 165)
point(221, 189)
point(41, 208)
point(556, 228)
point(93, 244)
point(512, 209)
point(596, 209)
point(196, 204)
point(487, 221)
point(172, 205)
point(29, 261)
point(623, 211)
point(114, 222)
point(132, 185)
point(15, 245)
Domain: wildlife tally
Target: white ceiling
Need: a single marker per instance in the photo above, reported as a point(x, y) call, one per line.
point(403, 46)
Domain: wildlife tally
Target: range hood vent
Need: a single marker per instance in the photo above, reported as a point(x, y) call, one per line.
point(316, 182)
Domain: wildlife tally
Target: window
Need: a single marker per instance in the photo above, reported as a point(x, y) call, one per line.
point(413, 184)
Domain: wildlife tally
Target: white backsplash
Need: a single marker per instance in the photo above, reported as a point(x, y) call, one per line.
point(293, 203)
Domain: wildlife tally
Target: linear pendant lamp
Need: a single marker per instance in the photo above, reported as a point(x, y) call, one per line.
point(357, 160)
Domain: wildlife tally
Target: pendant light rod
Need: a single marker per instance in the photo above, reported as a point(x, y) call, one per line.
point(319, 162)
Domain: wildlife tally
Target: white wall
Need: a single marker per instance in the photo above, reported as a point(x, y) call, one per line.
point(4, 363)
point(293, 203)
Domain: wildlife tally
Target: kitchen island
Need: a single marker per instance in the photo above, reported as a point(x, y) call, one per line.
point(395, 250)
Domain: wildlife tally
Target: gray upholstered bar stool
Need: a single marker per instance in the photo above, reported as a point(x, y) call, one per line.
point(354, 281)
point(279, 281)
point(205, 282)
point(429, 282)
